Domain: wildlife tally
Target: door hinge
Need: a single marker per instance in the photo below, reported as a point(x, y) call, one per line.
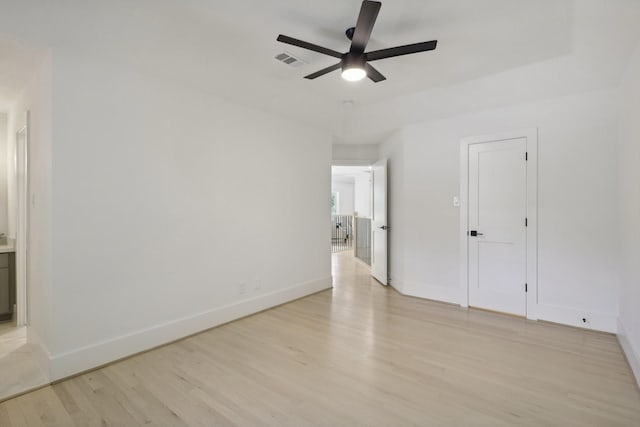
point(526, 156)
point(526, 288)
point(526, 222)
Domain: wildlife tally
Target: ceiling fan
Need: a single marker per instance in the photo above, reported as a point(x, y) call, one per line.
point(355, 63)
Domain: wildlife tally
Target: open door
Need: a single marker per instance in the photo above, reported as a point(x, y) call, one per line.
point(379, 227)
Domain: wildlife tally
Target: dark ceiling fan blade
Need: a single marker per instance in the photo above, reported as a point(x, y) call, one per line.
point(367, 18)
point(401, 50)
point(324, 71)
point(306, 45)
point(374, 74)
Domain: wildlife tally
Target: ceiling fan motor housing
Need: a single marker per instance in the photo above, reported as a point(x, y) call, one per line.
point(353, 60)
point(349, 32)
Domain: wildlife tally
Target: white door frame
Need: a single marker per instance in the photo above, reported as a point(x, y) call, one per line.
point(531, 136)
point(22, 227)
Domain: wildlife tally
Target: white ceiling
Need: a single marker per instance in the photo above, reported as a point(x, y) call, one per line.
point(490, 52)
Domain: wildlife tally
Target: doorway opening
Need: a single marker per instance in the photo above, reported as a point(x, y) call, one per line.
point(351, 211)
point(23, 360)
point(20, 359)
point(359, 216)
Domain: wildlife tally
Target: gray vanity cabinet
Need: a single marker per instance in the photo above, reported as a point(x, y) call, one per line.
point(7, 285)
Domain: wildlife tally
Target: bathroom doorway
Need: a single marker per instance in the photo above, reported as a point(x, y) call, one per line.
point(25, 134)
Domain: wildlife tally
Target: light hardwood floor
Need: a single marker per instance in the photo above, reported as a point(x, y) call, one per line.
point(360, 354)
point(19, 368)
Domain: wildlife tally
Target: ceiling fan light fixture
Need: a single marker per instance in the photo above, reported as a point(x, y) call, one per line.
point(355, 63)
point(353, 67)
point(354, 74)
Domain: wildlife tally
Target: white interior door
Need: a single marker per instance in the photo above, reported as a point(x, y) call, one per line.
point(379, 227)
point(497, 238)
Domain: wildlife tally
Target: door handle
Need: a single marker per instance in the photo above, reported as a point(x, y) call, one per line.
point(384, 227)
point(474, 233)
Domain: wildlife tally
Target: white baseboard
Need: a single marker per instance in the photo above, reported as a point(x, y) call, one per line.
point(85, 358)
point(633, 356)
point(449, 294)
point(596, 321)
point(40, 350)
point(604, 322)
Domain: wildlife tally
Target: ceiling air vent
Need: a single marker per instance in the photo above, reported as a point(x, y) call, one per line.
point(289, 59)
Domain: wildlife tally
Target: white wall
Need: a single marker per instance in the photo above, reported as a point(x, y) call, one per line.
point(354, 154)
point(629, 219)
point(4, 164)
point(354, 185)
point(146, 248)
point(141, 246)
point(345, 187)
point(36, 98)
point(362, 194)
point(577, 204)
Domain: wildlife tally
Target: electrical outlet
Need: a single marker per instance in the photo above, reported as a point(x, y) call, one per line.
point(242, 288)
point(585, 321)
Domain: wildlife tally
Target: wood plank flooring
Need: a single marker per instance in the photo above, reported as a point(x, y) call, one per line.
point(19, 368)
point(357, 355)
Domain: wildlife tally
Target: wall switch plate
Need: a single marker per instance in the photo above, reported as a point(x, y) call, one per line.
point(456, 202)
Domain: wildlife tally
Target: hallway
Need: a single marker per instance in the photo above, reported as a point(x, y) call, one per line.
point(359, 354)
